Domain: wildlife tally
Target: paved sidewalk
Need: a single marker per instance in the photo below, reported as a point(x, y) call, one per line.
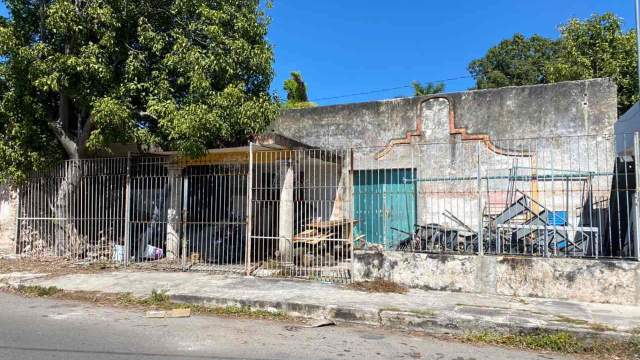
point(430, 311)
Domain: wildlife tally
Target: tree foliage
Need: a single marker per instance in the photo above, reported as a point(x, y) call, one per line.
point(591, 48)
point(598, 47)
point(514, 62)
point(296, 89)
point(427, 89)
point(78, 75)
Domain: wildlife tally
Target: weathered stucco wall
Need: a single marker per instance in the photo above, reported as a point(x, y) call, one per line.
point(8, 205)
point(600, 281)
point(457, 136)
point(568, 108)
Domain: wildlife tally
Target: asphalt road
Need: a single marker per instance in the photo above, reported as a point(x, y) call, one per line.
point(50, 329)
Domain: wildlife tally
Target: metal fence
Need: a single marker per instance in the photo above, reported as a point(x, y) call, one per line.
point(561, 196)
point(301, 213)
point(75, 210)
point(138, 211)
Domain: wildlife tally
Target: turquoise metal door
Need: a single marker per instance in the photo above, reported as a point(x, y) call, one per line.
point(385, 205)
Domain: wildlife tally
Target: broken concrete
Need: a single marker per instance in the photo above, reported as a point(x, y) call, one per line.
point(590, 280)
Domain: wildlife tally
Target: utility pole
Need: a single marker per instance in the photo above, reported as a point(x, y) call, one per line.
point(638, 41)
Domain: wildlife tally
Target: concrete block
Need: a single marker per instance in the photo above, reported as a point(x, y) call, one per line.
point(601, 281)
point(586, 280)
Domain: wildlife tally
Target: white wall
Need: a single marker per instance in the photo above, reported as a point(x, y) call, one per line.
point(8, 203)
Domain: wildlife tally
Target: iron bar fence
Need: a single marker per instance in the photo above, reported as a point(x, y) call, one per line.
point(571, 196)
point(302, 213)
point(301, 209)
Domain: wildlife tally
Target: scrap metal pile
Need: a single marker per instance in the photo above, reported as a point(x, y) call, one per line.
point(525, 226)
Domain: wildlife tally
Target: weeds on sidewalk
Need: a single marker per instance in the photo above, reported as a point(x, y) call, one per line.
point(591, 325)
point(560, 342)
point(37, 290)
point(378, 286)
point(161, 301)
point(157, 300)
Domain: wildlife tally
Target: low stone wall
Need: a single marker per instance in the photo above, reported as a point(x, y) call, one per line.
point(8, 203)
point(599, 281)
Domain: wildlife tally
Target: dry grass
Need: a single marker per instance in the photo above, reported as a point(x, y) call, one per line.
point(53, 266)
point(593, 326)
point(37, 290)
point(378, 286)
point(561, 342)
point(157, 300)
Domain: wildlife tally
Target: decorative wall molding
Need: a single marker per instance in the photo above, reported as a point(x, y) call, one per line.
point(453, 130)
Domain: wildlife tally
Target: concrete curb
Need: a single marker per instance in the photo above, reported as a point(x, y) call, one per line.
point(458, 319)
point(437, 322)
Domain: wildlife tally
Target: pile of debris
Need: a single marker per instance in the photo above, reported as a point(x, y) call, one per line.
point(323, 243)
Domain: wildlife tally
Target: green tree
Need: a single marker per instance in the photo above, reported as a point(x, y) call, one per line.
point(514, 62)
point(296, 92)
point(591, 48)
point(594, 48)
point(78, 75)
point(428, 89)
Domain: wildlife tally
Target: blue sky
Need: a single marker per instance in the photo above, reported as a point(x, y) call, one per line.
point(353, 46)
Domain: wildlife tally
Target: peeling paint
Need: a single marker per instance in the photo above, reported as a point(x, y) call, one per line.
point(599, 281)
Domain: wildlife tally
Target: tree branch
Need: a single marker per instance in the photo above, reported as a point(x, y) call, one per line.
point(85, 132)
point(65, 140)
point(146, 114)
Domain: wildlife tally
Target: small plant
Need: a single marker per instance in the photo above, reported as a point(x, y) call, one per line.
point(157, 298)
point(127, 299)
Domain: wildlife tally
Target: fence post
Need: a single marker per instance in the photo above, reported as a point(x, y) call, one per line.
point(249, 213)
point(17, 234)
point(479, 181)
point(183, 221)
point(127, 214)
point(174, 211)
point(352, 213)
point(636, 202)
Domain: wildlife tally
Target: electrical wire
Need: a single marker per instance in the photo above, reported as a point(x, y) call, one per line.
point(390, 89)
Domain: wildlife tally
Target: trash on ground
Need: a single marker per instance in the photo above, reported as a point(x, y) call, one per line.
point(174, 313)
point(320, 323)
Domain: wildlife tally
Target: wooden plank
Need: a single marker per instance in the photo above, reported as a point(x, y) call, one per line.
point(315, 240)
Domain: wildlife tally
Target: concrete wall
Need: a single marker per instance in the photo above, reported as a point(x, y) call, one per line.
point(567, 108)
point(454, 137)
point(8, 203)
point(600, 281)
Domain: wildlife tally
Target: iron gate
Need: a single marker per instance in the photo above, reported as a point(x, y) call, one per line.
point(301, 223)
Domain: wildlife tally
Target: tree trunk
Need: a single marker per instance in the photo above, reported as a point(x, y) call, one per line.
point(68, 241)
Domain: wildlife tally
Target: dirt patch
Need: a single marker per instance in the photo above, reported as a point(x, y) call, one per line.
point(378, 286)
point(54, 266)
